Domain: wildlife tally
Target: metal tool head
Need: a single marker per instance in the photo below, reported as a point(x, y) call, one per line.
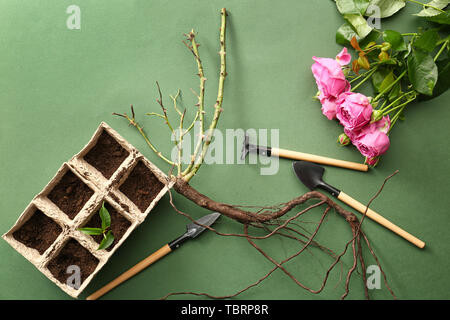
point(311, 175)
point(253, 148)
point(245, 147)
point(194, 229)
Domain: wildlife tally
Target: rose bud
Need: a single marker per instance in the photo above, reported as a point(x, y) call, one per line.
point(385, 46)
point(363, 62)
point(343, 139)
point(383, 56)
point(372, 161)
point(376, 115)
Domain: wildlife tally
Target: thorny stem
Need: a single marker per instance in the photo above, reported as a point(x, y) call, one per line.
point(218, 106)
point(390, 86)
point(386, 110)
point(160, 102)
point(179, 142)
point(367, 76)
point(399, 106)
point(174, 99)
point(201, 98)
point(441, 50)
point(359, 77)
point(203, 143)
point(397, 115)
point(132, 121)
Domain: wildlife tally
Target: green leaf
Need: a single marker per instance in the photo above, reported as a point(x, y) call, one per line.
point(359, 24)
point(395, 92)
point(422, 72)
point(105, 217)
point(107, 241)
point(443, 18)
point(427, 41)
point(352, 6)
point(91, 231)
point(378, 77)
point(429, 12)
point(446, 39)
point(387, 81)
point(395, 39)
point(388, 7)
point(372, 36)
point(345, 33)
point(443, 82)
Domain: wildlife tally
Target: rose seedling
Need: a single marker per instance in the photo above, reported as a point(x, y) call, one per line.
point(108, 237)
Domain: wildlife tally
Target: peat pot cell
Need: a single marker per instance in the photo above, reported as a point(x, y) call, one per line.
point(70, 194)
point(38, 232)
point(119, 225)
point(141, 186)
point(72, 254)
point(107, 155)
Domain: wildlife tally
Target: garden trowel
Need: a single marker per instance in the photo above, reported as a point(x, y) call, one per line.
point(192, 230)
point(311, 176)
point(295, 155)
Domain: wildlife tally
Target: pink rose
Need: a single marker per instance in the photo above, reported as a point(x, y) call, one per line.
point(373, 144)
point(330, 81)
point(328, 106)
point(372, 141)
point(353, 111)
point(382, 125)
point(352, 134)
point(329, 77)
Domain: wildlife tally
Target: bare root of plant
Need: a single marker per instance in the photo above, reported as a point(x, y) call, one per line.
point(268, 217)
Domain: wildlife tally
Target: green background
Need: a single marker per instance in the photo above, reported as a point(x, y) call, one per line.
point(57, 85)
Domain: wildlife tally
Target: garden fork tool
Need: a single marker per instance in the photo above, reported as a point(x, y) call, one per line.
point(295, 155)
point(311, 176)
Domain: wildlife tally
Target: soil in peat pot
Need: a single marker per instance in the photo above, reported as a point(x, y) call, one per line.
point(107, 155)
point(70, 194)
point(38, 232)
point(119, 225)
point(141, 186)
point(72, 254)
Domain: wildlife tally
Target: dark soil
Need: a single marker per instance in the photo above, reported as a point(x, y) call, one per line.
point(107, 155)
point(119, 225)
point(141, 186)
point(70, 194)
point(39, 232)
point(72, 254)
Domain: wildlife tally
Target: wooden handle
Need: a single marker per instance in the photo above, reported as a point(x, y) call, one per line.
point(318, 159)
point(376, 217)
point(131, 272)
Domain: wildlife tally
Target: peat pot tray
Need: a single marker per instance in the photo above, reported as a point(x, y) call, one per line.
point(107, 170)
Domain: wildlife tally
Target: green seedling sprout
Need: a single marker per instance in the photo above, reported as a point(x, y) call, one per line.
point(108, 237)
